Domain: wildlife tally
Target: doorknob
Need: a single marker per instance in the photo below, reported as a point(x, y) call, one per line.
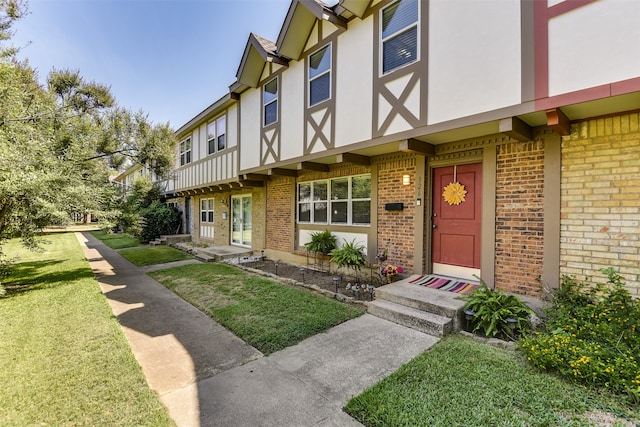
point(434, 225)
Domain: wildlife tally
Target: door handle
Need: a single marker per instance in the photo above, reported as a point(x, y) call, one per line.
point(434, 225)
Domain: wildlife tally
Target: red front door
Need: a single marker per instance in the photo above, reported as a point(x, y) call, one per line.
point(456, 227)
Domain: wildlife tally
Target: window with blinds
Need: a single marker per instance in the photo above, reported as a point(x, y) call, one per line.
point(320, 76)
point(399, 34)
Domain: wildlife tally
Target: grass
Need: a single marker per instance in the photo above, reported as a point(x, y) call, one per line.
point(116, 240)
point(63, 357)
point(268, 315)
point(154, 255)
point(461, 383)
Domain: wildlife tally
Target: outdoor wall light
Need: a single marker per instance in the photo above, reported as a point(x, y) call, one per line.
point(406, 179)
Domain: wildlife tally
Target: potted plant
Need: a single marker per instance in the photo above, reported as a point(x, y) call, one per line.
point(350, 255)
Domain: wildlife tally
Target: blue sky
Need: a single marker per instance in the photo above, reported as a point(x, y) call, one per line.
point(169, 58)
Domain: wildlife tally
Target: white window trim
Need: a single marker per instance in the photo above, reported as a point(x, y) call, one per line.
point(216, 135)
point(185, 151)
point(329, 201)
point(265, 104)
point(382, 40)
point(329, 71)
point(207, 211)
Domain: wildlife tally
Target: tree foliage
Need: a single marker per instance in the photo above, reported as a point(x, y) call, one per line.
point(60, 142)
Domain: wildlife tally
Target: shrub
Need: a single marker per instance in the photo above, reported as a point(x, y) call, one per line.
point(350, 255)
point(321, 242)
point(159, 219)
point(492, 308)
point(592, 335)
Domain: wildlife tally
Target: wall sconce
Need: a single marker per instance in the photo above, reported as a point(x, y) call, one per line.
point(406, 180)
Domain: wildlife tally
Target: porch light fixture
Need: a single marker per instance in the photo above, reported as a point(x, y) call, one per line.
point(406, 179)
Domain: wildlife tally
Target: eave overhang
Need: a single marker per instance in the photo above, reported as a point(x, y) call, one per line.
point(257, 53)
point(356, 7)
point(212, 110)
point(299, 22)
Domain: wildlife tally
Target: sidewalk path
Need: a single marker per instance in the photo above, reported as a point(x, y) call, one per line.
point(207, 376)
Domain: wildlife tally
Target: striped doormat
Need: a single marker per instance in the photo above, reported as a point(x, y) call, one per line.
point(445, 284)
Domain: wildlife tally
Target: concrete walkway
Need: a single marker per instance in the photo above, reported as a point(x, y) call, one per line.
point(206, 376)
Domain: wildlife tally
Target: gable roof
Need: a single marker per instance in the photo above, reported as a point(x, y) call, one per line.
point(257, 53)
point(299, 22)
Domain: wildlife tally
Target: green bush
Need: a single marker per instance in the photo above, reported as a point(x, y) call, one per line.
point(592, 335)
point(159, 219)
point(321, 242)
point(350, 255)
point(491, 309)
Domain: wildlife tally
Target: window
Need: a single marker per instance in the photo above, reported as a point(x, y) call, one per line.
point(185, 152)
point(320, 76)
point(206, 210)
point(270, 101)
point(399, 35)
point(216, 135)
point(337, 201)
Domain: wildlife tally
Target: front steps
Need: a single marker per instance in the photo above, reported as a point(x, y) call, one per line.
point(223, 253)
point(431, 311)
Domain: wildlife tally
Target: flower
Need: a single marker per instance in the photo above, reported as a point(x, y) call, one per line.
point(390, 271)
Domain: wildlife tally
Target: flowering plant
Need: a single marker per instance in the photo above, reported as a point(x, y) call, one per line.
point(390, 271)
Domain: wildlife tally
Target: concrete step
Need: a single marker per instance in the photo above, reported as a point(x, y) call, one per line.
point(205, 258)
point(414, 318)
point(221, 253)
point(441, 303)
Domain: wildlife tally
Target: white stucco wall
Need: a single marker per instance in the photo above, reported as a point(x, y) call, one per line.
point(594, 45)
point(232, 126)
point(474, 57)
point(292, 109)
point(250, 129)
point(353, 84)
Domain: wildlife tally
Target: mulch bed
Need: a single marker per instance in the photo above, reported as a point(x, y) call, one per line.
point(321, 279)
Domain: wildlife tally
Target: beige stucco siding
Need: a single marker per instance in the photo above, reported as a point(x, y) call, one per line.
point(355, 53)
point(474, 57)
point(577, 42)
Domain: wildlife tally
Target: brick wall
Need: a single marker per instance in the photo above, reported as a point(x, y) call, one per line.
point(279, 211)
point(600, 196)
point(519, 217)
point(396, 228)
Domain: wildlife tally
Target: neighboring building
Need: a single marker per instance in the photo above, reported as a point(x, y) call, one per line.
point(361, 116)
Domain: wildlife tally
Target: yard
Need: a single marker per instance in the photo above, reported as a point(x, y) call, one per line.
point(63, 357)
point(64, 360)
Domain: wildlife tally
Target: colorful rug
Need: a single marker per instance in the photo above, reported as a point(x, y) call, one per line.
point(448, 284)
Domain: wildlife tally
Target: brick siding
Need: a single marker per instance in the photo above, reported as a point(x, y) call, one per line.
point(280, 214)
point(600, 199)
point(396, 228)
point(519, 217)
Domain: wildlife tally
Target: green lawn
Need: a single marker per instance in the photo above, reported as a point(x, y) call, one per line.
point(116, 240)
point(64, 360)
point(268, 315)
point(154, 255)
point(460, 382)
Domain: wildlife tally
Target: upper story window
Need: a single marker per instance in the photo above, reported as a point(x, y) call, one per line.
point(344, 201)
point(270, 102)
point(206, 210)
point(216, 135)
point(185, 152)
point(320, 76)
point(399, 35)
